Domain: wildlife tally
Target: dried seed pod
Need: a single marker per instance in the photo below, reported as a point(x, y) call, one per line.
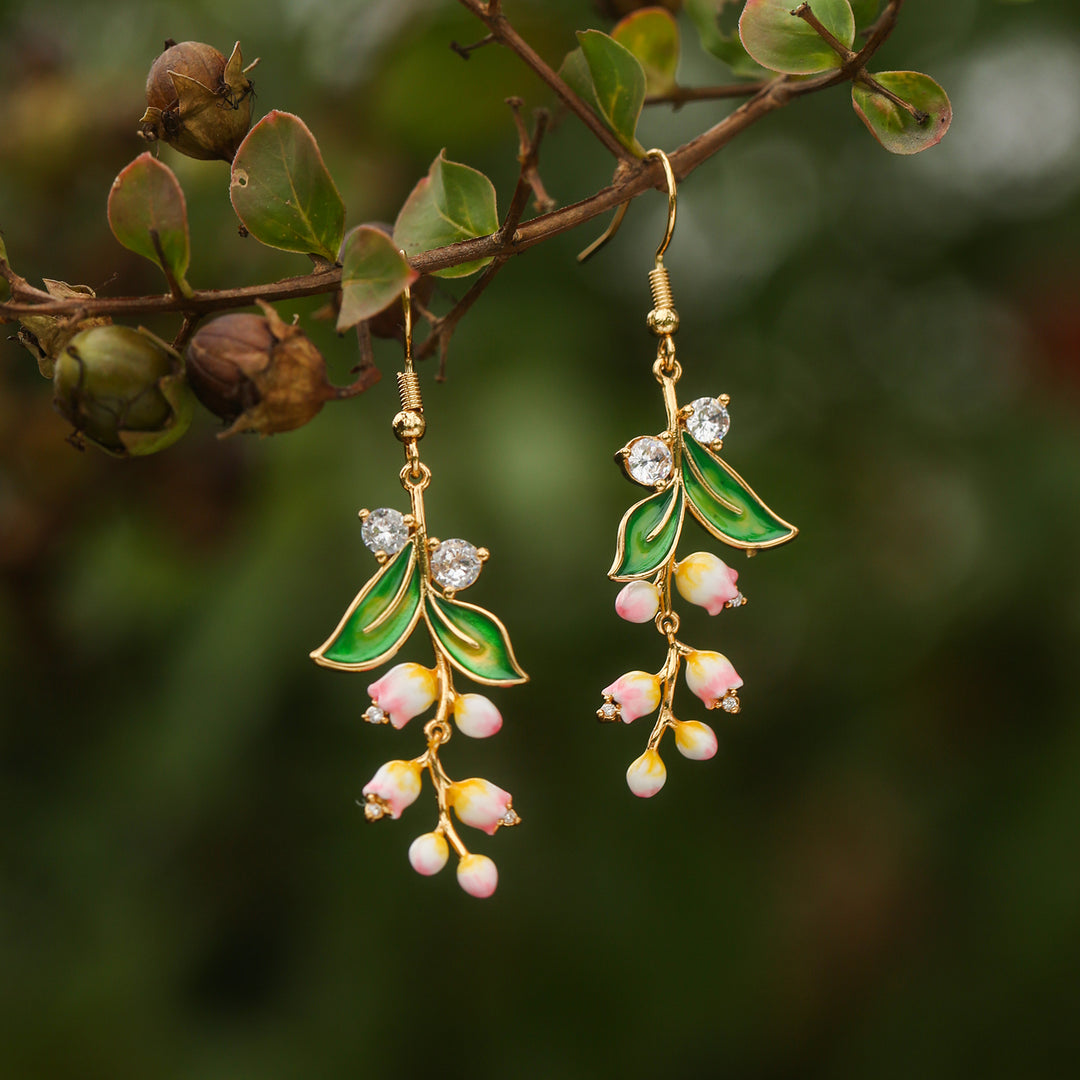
point(258, 372)
point(197, 102)
point(122, 389)
point(45, 336)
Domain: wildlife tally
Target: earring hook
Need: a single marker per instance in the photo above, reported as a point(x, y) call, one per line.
point(620, 213)
point(406, 304)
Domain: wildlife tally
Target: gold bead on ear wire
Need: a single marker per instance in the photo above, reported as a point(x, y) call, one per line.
point(681, 468)
point(418, 580)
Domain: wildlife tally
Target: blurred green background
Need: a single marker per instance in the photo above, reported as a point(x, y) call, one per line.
point(878, 874)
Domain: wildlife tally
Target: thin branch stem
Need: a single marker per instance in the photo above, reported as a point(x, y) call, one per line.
point(680, 95)
point(806, 13)
point(465, 51)
point(493, 18)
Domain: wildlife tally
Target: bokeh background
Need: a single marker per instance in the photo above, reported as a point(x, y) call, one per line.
point(878, 874)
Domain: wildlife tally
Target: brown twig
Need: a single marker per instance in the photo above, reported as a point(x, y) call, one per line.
point(493, 18)
point(529, 175)
point(680, 95)
point(465, 51)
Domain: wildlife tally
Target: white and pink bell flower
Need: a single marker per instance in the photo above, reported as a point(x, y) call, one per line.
point(396, 786)
point(637, 693)
point(477, 875)
point(695, 740)
point(711, 676)
point(476, 716)
point(638, 602)
point(428, 853)
point(405, 691)
point(707, 581)
point(481, 804)
point(647, 775)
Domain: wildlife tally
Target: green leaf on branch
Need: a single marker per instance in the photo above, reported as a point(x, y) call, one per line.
point(146, 200)
point(865, 11)
point(373, 275)
point(611, 81)
point(474, 641)
point(894, 126)
point(282, 192)
point(705, 15)
point(453, 202)
point(379, 620)
point(652, 35)
point(648, 533)
point(783, 42)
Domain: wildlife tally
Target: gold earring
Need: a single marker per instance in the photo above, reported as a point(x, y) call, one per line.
point(682, 468)
point(418, 580)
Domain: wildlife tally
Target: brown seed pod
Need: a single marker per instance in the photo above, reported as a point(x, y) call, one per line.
point(258, 373)
point(197, 101)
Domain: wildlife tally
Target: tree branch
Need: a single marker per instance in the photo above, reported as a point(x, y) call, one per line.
point(680, 95)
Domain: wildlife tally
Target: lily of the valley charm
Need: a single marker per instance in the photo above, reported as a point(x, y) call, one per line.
point(682, 468)
point(417, 581)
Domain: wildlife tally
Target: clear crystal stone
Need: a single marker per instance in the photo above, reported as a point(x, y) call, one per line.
point(737, 600)
point(608, 711)
point(384, 530)
point(709, 421)
point(730, 704)
point(455, 564)
point(649, 460)
point(509, 818)
point(375, 715)
point(373, 810)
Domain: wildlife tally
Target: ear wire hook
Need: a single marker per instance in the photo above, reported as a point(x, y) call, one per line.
point(620, 213)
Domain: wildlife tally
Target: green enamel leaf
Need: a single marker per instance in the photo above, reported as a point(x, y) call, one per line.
point(474, 641)
point(451, 203)
point(373, 275)
point(648, 534)
point(891, 124)
point(145, 199)
point(725, 504)
point(783, 42)
point(705, 15)
point(610, 79)
point(282, 192)
point(379, 620)
point(652, 35)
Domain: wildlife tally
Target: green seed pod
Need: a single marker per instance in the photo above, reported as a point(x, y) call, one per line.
point(197, 102)
point(122, 389)
point(258, 372)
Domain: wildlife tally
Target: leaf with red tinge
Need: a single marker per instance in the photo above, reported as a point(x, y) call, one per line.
point(891, 124)
point(778, 40)
point(453, 202)
point(373, 275)
point(281, 189)
point(145, 199)
point(652, 35)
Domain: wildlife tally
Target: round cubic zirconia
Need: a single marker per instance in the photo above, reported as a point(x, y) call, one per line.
point(384, 530)
point(709, 421)
point(649, 460)
point(455, 564)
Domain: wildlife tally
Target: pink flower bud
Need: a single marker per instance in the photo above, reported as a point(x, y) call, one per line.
point(481, 804)
point(428, 853)
point(707, 581)
point(638, 602)
point(647, 775)
point(695, 740)
point(405, 691)
point(397, 783)
point(637, 694)
point(476, 716)
point(477, 875)
point(710, 676)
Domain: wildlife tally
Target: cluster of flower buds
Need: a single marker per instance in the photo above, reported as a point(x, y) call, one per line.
point(707, 581)
point(406, 691)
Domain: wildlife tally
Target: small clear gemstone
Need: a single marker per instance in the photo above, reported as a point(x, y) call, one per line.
point(375, 715)
point(455, 564)
point(730, 704)
point(509, 818)
point(649, 460)
point(384, 530)
point(373, 810)
point(737, 600)
point(608, 711)
point(709, 421)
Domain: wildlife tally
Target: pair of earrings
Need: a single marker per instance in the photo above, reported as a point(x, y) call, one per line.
point(420, 576)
